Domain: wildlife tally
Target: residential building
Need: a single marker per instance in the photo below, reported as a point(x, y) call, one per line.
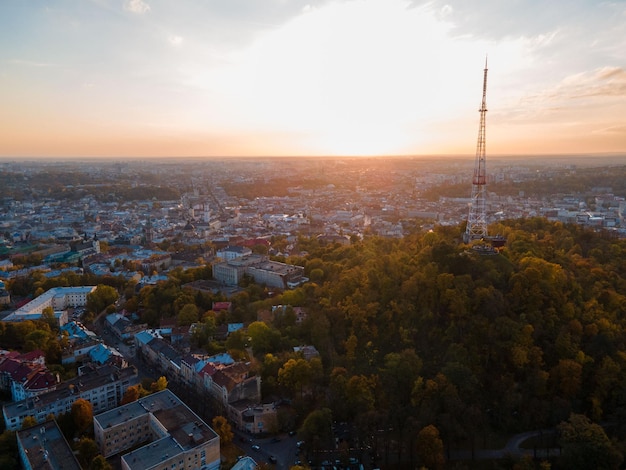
point(43, 447)
point(102, 386)
point(174, 437)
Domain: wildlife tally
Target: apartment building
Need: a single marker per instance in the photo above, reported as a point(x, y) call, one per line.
point(43, 447)
point(174, 437)
point(102, 386)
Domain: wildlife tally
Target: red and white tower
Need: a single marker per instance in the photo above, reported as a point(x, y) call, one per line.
point(477, 220)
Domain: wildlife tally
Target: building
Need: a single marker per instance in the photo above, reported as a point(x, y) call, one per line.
point(174, 436)
point(261, 269)
point(58, 298)
point(102, 386)
point(43, 447)
point(233, 251)
point(25, 375)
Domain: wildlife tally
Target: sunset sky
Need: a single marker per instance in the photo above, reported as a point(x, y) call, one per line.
point(142, 78)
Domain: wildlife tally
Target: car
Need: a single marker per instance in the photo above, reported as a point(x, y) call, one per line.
point(275, 439)
point(272, 459)
point(256, 448)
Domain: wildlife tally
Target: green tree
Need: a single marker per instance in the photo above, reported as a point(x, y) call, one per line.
point(100, 463)
point(101, 298)
point(8, 451)
point(187, 315)
point(316, 429)
point(87, 450)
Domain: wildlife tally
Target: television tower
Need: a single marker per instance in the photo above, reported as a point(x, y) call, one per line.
point(477, 220)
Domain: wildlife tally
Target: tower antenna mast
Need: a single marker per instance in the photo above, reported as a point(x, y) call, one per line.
point(477, 219)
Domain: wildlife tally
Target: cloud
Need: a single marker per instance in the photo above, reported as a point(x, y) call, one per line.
point(30, 63)
point(136, 6)
point(606, 81)
point(618, 130)
point(175, 40)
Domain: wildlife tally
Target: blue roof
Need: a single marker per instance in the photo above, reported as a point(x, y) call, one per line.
point(100, 354)
point(144, 337)
point(223, 358)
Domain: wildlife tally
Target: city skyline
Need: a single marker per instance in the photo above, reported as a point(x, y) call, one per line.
point(141, 78)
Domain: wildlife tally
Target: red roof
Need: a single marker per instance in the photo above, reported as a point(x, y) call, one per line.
point(41, 380)
point(218, 306)
point(32, 355)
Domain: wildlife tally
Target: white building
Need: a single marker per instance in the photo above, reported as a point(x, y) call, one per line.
point(59, 298)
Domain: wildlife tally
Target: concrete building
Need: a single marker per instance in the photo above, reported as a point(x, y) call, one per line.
point(103, 387)
point(261, 269)
point(232, 252)
point(174, 436)
point(43, 447)
point(58, 298)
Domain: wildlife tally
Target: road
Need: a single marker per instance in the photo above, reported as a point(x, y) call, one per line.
point(511, 449)
point(282, 447)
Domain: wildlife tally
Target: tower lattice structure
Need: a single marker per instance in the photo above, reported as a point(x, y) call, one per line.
point(477, 219)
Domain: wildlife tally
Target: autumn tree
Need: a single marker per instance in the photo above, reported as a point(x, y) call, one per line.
point(586, 445)
point(430, 448)
point(82, 414)
point(28, 421)
point(222, 427)
point(159, 384)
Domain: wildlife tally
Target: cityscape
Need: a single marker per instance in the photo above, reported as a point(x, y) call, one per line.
point(117, 223)
point(248, 235)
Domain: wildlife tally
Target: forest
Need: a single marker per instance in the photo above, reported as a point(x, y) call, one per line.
point(423, 331)
point(430, 341)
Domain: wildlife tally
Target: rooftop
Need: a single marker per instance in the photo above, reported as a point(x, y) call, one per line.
point(46, 448)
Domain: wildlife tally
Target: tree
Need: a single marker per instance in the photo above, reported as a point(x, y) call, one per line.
point(100, 463)
point(430, 448)
point(159, 385)
point(316, 429)
point(101, 298)
point(295, 374)
point(87, 450)
point(8, 451)
point(28, 422)
point(222, 427)
point(586, 445)
point(187, 315)
point(82, 414)
point(131, 394)
point(263, 338)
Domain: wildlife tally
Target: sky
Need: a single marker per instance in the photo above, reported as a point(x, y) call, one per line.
point(144, 78)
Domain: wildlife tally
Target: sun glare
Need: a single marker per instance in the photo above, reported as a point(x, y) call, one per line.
point(357, 78)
